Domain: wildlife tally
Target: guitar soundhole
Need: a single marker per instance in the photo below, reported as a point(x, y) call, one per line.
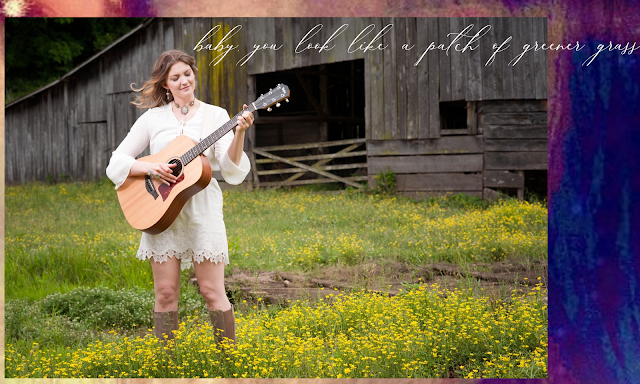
point(177, 170)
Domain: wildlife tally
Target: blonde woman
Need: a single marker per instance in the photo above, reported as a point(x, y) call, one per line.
point(198, 233)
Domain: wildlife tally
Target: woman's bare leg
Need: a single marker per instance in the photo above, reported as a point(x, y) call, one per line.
point(211, 281)
point(166, 284)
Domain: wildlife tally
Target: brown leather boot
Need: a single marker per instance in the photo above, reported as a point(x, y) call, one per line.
point(164, 323)
point(230, 325)
point(217, 322)
point(224, 324)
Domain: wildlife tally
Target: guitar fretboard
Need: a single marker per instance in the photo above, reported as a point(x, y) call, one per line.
point(215, 136)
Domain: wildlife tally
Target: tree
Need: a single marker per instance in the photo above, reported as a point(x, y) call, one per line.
point(40, 50)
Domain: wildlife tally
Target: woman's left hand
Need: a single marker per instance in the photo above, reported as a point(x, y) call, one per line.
point(245, 120)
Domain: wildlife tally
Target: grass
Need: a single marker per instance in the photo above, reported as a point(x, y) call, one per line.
point(312, 230)
point(70, 235)
point(65, 236)
point(66, 243)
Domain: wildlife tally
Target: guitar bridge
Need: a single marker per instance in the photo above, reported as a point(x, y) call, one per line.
point(148, 183)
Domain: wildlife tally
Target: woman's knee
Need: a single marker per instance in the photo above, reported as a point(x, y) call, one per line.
point(167, 294)
point(214, 296)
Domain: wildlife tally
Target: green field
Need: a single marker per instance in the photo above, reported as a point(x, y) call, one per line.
point(75, 289)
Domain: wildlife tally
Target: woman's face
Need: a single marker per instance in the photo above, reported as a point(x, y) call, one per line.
point(181, 81)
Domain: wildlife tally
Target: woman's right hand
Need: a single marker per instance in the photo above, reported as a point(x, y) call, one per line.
point(164, 171)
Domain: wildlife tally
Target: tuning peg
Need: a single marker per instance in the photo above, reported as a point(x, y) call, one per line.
point(278, 105)
point(269, 109)
point(287, 100)
point(270, 89)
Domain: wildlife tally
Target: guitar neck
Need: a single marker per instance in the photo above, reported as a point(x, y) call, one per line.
point(215, 136)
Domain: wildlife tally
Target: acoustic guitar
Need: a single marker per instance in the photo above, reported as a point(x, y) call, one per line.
point(151, 206)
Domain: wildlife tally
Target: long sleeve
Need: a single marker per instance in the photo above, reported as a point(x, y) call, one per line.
point(124, 156)
point(232, 173)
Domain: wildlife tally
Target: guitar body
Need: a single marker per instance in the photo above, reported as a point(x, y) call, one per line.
point(151, 206)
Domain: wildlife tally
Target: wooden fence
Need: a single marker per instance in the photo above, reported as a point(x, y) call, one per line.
point(318, 166)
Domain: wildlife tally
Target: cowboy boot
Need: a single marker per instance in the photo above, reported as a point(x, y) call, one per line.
point(230, 325)
point(217, 322)
point(224, 324)
point(164, 323)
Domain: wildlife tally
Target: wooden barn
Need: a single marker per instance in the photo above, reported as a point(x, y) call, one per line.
point(367, 96)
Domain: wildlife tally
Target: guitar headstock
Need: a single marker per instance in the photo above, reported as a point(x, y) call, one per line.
point(274, 96)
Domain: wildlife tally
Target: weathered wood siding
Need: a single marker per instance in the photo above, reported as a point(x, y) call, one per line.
point(506, 108)
point(73, 125)
point(450, 164)
point(403, 98)
point(515, 140)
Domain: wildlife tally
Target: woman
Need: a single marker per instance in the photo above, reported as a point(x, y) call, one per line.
point(198, 233)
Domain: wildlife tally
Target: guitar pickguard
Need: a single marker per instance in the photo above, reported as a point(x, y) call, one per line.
point(166, 189)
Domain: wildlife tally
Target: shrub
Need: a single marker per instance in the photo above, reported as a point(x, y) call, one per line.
point(386, 182)
point(25, 322)
point(102, 307)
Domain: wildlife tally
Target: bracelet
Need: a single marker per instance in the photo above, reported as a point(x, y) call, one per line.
point(149, 171)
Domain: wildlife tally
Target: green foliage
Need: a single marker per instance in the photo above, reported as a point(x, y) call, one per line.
point(459, 201)
point(102, 307)
point(324, 187)
point(533, 197)
point(386, 182)
point(63, 52)
point(83, 314)
point(62, 178)
point(26, 323)
point(40, 50)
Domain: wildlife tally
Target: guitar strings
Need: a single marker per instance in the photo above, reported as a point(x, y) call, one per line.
point(212, 138)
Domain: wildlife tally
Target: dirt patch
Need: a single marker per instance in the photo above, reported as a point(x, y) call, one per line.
point(496, 279)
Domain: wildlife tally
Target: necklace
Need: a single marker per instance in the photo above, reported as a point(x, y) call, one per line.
point(184, 108)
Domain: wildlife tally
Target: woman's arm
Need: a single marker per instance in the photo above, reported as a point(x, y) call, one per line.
point(123, 162)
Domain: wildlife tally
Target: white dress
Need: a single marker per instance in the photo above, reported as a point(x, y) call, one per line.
point(198, 232)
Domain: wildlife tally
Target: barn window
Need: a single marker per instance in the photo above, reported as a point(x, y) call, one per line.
point(326, 104)
point(453, 118)
point(535, 184)
point(323, 126)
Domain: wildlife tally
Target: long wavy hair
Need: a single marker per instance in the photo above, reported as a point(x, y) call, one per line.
point(152, 92)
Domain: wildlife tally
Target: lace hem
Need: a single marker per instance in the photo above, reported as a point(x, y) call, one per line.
point(185, 257)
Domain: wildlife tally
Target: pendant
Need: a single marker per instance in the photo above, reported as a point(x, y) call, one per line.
point(184, 110)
